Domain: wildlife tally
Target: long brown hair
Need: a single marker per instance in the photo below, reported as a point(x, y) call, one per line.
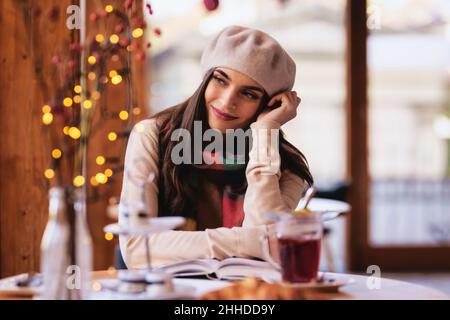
point(177, 194)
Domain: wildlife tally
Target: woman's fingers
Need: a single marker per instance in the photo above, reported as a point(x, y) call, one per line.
point(276, 98)
point(284, 97)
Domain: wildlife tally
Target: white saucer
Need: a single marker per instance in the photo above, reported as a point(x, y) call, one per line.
point(328, 283)
point(108, 292)
point(156, 225)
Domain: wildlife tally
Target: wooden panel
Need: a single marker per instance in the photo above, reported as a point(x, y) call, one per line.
point(32, 33)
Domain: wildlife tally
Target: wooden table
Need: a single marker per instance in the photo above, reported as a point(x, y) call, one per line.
point(356, 290)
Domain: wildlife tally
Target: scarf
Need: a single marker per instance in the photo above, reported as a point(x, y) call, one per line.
point(228, 176)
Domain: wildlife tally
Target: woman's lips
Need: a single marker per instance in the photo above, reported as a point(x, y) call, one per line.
point(222, 116)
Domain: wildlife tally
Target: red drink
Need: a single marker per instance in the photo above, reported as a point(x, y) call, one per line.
point(299, 259)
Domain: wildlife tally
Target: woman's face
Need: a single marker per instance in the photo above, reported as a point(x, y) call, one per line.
point(232, 99)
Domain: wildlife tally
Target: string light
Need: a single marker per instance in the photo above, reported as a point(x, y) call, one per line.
point(112, 136)
point(108, 173)
point(92, 60)
point(47, 118)
point(76, 98)
point(78, 181)
point(77, 89)
point(46, 109)
point(123, 115)
point(100, 160)
point(116, 79)
point(114, 38)
point(101, 178)
point(96, 95)
point(67, 102)
point(56, 153)
point(99, 38)
point(74, 133)
point(87, 104)
point(138, 32)
point(94, 182)
point(49, 173)
point(112, 73)
point(109, 8)
point(92, 75)
point(109, 236)
point(66, 130)
point(136, 111)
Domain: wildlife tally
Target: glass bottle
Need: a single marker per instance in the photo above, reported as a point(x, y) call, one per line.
point(55, 247)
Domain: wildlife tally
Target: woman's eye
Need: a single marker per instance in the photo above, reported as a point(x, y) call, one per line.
point(219, 80)
point(251, 95)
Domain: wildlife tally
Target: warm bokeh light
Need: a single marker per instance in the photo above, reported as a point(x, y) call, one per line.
point(92, 75)
point(46, 109)
point(96, 95)
point(101, 178)
point(109, 8)
point(77, 98)
point(116, 79)
point(77, 89)
point(112, 73)
point(99, 38)
point(67, 102)
point(123, 115)
point(112, 136)
point(66, 130)
point(78, 181)
point(100, 160)
point(56, 153)
point(108, 173)
point(94, 181)
point(109, 236)
point(136, 111)
point(47, 118)
point(138, 32)
point(92, 60)
point(74, 133)
point(114, 38)
point(49, 173)
point(87, 104)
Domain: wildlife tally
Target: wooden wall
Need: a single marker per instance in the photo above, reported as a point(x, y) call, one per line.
point(31, 33)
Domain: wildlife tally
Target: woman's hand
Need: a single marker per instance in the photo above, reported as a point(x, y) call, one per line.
point(287, 111)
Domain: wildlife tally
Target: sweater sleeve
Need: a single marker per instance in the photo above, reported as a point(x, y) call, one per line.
point(268, 190)
point(141, 159)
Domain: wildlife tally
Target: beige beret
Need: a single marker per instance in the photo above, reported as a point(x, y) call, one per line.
point(253, 53)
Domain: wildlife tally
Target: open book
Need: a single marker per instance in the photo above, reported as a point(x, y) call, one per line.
point(227, 269)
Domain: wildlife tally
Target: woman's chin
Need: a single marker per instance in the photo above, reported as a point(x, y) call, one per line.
point(222, 126)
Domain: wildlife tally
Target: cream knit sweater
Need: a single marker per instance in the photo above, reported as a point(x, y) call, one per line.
point(269, 190)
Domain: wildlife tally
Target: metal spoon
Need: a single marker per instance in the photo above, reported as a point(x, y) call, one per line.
point(308, 196)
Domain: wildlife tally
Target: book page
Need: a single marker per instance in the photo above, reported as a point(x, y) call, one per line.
point(194, 267)
point(239, 268)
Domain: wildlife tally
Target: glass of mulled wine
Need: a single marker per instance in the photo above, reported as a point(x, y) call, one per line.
point(299, 240)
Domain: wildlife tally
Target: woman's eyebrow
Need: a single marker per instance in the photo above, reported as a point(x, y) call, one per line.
point(254, 88)
point(246, 87)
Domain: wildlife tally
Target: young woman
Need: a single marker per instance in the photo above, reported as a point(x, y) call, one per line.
point(247, 83)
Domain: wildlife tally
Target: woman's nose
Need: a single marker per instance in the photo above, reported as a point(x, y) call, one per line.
point(228, 99)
